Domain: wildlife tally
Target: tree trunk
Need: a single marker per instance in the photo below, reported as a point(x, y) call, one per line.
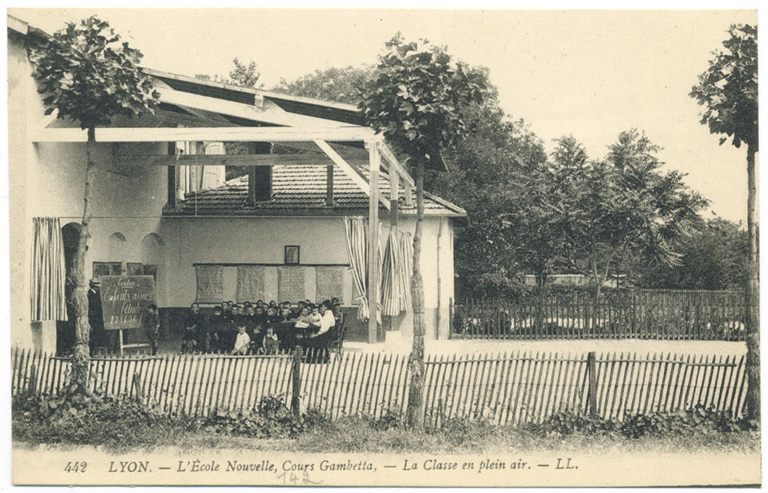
point(79, 300)
point(752, 320)
point(415, 411)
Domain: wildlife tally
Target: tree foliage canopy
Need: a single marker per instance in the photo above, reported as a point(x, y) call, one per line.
point(343, 85)
point(88, 75)
point(625, 204)
point(416, 96)
point(715, 257)
point(728, 88)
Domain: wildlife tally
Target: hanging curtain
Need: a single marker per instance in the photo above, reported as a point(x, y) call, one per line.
point(48, 271)
point(396, 278)
point(357, 248)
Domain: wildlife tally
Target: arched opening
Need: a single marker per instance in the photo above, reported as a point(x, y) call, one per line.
point(117, 248)
point(65, 331)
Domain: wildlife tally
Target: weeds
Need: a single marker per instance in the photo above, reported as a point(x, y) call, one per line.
point(119, 424)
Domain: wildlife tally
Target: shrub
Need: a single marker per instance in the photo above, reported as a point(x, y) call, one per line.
point(270, 419)
point(570, 423)
point(684, 422)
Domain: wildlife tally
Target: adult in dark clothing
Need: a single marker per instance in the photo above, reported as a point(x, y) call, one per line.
point(194, 327)
point(238, 316)
point(150, 323)
point(214, 330)
point(260, 316)
point(99, 337)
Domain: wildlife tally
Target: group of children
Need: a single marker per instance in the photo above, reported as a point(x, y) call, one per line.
point(256, 326)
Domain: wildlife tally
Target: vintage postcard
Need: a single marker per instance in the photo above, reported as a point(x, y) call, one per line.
point(266, 247)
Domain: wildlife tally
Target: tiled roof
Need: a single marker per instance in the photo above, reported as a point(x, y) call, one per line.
point(301, 190)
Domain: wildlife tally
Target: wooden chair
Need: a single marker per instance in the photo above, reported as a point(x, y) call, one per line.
point(337, 341)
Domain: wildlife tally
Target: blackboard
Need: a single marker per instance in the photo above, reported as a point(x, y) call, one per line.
point(124, 299)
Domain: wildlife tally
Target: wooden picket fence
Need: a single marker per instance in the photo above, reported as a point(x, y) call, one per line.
point(635, 314)
point(504, 388)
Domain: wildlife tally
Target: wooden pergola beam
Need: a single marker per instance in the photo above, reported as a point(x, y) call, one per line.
point(216, 134)
point(352, 172)
point(229, 160)
point(390, 157)
point(373, 245)
point(268, 113)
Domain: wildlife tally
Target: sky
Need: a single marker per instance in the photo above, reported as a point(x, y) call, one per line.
point(590, 74)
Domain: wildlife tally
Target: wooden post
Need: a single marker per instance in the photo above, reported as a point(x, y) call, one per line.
point(139, 396)
point(373, 242)
point(407, 188)
point(171, 200)
point(393, 191)
point(120, 340)
point(251, 186)
point(259, 177)
point(450, 318)
point(296, 380)
point(592, 388)
point(329, 187)
point(32, 390)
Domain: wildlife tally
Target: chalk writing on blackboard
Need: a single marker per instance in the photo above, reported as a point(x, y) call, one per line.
point(124, 299)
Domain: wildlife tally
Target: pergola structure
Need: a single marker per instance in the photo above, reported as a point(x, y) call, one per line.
point(328, 134)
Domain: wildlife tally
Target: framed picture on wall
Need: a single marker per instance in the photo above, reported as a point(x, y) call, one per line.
point(292, 255)
point(107, 269)
point(150, 270)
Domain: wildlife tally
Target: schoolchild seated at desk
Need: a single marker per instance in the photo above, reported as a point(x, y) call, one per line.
point(338, 314)
point(285, 314)
point(242, 342)
point(304, 319)
point(272, 316)
point(315, 316)
point(271, 343)
point(299, 307)
point(260, 316)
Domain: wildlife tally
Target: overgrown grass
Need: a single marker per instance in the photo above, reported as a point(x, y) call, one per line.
point(119, 425)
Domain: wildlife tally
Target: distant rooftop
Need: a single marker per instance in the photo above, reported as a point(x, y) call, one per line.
point(301, 191)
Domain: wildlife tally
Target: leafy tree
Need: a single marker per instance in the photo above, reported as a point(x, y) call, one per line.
point(625, 204)
point(343, 85)
point(88, 76)
point(715, 257)
point(242, 75)
point(489, 170)
point(415, 100)
point(728, 90)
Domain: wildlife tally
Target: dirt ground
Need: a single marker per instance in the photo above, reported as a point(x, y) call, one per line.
point(562, 346)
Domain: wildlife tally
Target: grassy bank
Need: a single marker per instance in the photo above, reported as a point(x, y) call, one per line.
point(118, 425)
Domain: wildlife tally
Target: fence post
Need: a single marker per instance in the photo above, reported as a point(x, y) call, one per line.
point(592, 388)
point(32, 390)
point(296, 379)
point(634, 314)
point(137, 384)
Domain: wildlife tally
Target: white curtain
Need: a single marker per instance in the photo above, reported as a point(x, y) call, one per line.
point(396, 278)
point(48, 271)
point(357, 248)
